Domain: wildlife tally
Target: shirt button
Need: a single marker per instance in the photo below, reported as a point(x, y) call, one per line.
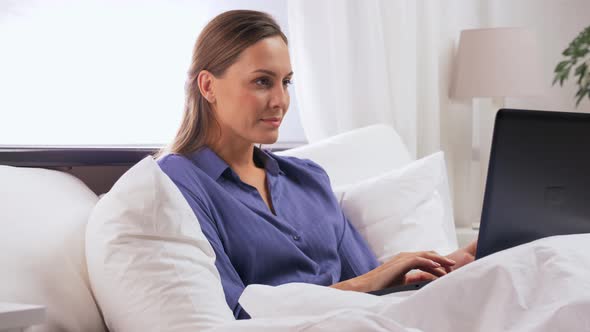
point(296, 237)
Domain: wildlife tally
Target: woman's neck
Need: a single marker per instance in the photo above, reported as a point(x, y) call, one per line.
point(236, 153)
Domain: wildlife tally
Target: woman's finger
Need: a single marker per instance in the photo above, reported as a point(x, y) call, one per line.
point(423, 264)
point(431, 267)
point(439, 272)
point(442, 260)
point(414, 277)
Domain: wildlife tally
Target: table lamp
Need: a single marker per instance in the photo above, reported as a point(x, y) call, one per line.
point(492, 64)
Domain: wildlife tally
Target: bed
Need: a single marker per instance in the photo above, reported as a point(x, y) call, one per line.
point(134, 259)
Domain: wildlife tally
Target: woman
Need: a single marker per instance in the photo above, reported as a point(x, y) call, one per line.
point(270, 220)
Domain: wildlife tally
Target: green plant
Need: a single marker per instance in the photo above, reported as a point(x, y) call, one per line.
point(577, 53)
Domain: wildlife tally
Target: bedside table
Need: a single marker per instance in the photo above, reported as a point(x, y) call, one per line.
point(16, 317)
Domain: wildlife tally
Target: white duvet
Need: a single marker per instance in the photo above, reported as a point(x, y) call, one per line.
point(540, 286)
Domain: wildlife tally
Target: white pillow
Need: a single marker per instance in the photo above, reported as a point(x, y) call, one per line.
point(151, 267)
point(42, 226)
point(402, 210)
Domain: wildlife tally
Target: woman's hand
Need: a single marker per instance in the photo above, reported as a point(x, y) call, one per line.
point(461, 257)
point(464, 255)
point(394, 272)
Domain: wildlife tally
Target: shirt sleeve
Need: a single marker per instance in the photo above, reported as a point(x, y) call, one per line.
point(356, 256)
point(230, 280)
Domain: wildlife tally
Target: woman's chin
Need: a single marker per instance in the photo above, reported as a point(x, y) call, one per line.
point(266, 140)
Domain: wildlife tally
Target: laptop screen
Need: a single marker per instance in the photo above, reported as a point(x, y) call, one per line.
point(538, 182)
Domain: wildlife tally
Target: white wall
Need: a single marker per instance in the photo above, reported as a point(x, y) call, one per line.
point(556, 23)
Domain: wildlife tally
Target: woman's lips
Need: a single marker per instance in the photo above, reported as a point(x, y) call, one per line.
point(275, 122)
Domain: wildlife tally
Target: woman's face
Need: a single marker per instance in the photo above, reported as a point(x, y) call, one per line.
point(251, 97)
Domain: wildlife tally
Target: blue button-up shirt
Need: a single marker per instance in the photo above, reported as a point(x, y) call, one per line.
point(308, 240)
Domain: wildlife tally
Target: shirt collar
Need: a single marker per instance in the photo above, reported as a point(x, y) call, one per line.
point(270, 163)
point(210, 163)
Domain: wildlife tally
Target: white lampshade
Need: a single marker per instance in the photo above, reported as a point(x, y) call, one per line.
point(498, 62)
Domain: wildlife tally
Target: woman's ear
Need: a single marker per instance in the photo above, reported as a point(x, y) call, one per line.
point(206, 82)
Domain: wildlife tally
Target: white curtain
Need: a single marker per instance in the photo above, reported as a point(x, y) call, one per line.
point(360, 62)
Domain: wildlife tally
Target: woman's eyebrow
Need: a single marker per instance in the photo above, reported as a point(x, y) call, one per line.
point(270, 72)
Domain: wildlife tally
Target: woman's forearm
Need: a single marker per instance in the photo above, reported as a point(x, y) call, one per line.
point(358, 284)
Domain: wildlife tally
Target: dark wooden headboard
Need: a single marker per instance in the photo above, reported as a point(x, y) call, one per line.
point(98, 167)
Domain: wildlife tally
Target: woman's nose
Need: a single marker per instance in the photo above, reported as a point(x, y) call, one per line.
point(280, 98)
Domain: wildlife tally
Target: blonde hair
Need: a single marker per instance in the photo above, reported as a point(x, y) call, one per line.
point(220, 43)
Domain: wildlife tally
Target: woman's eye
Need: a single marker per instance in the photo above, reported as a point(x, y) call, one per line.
point(287, 82)
point(265, 82)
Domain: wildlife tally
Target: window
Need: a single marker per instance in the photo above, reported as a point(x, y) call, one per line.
point(105, 72)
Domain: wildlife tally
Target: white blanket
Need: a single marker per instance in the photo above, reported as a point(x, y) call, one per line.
point(540, 286)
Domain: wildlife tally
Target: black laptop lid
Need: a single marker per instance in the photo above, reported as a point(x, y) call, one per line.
point(538, 182)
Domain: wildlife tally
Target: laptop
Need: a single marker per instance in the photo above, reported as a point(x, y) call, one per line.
point(538, 181)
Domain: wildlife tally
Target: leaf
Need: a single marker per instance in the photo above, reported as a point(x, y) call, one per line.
point(584, 92)
point(561, 66)
point(579, 52)
point(564, 75)
point(576, 56)
point(581, 71)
